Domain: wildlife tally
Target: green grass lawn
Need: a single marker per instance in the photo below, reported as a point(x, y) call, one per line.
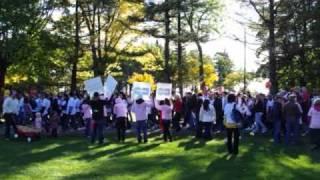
point(186, 158)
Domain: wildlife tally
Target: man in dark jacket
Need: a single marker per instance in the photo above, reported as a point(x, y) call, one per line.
point(276, 115)
point(97, 106)
point(292, 112)
point(219, 112)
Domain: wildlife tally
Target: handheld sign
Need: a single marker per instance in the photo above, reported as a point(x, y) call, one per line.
point(141, 89)
point(109, 86)
point(164, 90)
point(93, 85)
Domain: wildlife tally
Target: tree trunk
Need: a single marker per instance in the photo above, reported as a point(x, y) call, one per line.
point(3, 72)
point(303, 62)
point(180, 83)
point(167, 44)
point(272, 55)
point(201, 68)
point(76, 54)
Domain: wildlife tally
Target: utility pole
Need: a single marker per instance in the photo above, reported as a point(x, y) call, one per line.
point(245, 61)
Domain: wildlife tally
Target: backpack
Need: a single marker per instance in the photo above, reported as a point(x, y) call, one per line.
point(236, 115)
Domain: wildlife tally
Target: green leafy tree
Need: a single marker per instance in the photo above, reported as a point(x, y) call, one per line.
point(224, 66)
point(20, 23)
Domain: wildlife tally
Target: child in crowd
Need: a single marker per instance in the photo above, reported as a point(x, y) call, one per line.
point(38, 121)
point(54, 123)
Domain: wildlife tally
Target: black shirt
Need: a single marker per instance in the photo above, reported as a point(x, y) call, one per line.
point(97, 107)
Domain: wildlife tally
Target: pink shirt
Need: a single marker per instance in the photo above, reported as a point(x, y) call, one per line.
point(120, 109)
point(140, 110)
point(315, 118)
point(87, 111)
point(166, 111)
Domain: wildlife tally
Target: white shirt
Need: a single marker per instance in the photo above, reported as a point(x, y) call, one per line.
point(62, 103)
point(243, 108)
point(10, 105)
point(228, 113)
point(72, 106)
point(78, 104)
point(207, 116)
point(315, 118)
point(38, 105)
point(46, 104)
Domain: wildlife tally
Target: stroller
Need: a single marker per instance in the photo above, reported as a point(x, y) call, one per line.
point(28, 132)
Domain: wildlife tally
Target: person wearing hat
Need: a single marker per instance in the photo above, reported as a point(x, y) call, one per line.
point(314, 118)
point(292, 113)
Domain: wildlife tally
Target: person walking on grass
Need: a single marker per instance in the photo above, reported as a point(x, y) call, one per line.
point(140, 107)
point(87, 116)
point(259, 111)
point(277, 119)
point(231, 124)
point(97, 117)
point(10, 109)
point(207, 118)
point(165, 109)
point(177, 108)
point(292, 113)
point(314, 125)
point(120, 110)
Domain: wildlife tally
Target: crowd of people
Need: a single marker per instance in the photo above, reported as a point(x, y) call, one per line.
point(288, 115)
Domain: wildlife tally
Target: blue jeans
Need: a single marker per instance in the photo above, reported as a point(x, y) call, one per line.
point(258, 122)
point(292, 130)
point(97, 131)
point(276, 130)
point(142, 128)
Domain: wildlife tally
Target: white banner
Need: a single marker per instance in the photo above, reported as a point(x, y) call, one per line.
point(141, 89)
point(164, 90)
point(93, 85)
point(110, 85)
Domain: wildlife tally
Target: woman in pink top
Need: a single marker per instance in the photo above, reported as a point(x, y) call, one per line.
point(314, 117)
point(165, 108)
point(87, 116)
point(120, 110)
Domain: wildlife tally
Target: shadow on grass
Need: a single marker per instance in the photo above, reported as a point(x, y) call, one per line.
point(258, 159)
point(193, 143)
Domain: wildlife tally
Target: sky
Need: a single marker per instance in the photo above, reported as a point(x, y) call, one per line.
point(232, 28)
point(225, 41)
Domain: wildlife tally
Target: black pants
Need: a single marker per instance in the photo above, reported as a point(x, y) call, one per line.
point(64, 122)
point(233, 140)
point(54, 132)
point(315, 137)
point(206, 128)
point(97, 131)
point(166, 130)
point(176, 121)
point(9, 122)
point(121, 128)
point(219, 124)
point(73, 121)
